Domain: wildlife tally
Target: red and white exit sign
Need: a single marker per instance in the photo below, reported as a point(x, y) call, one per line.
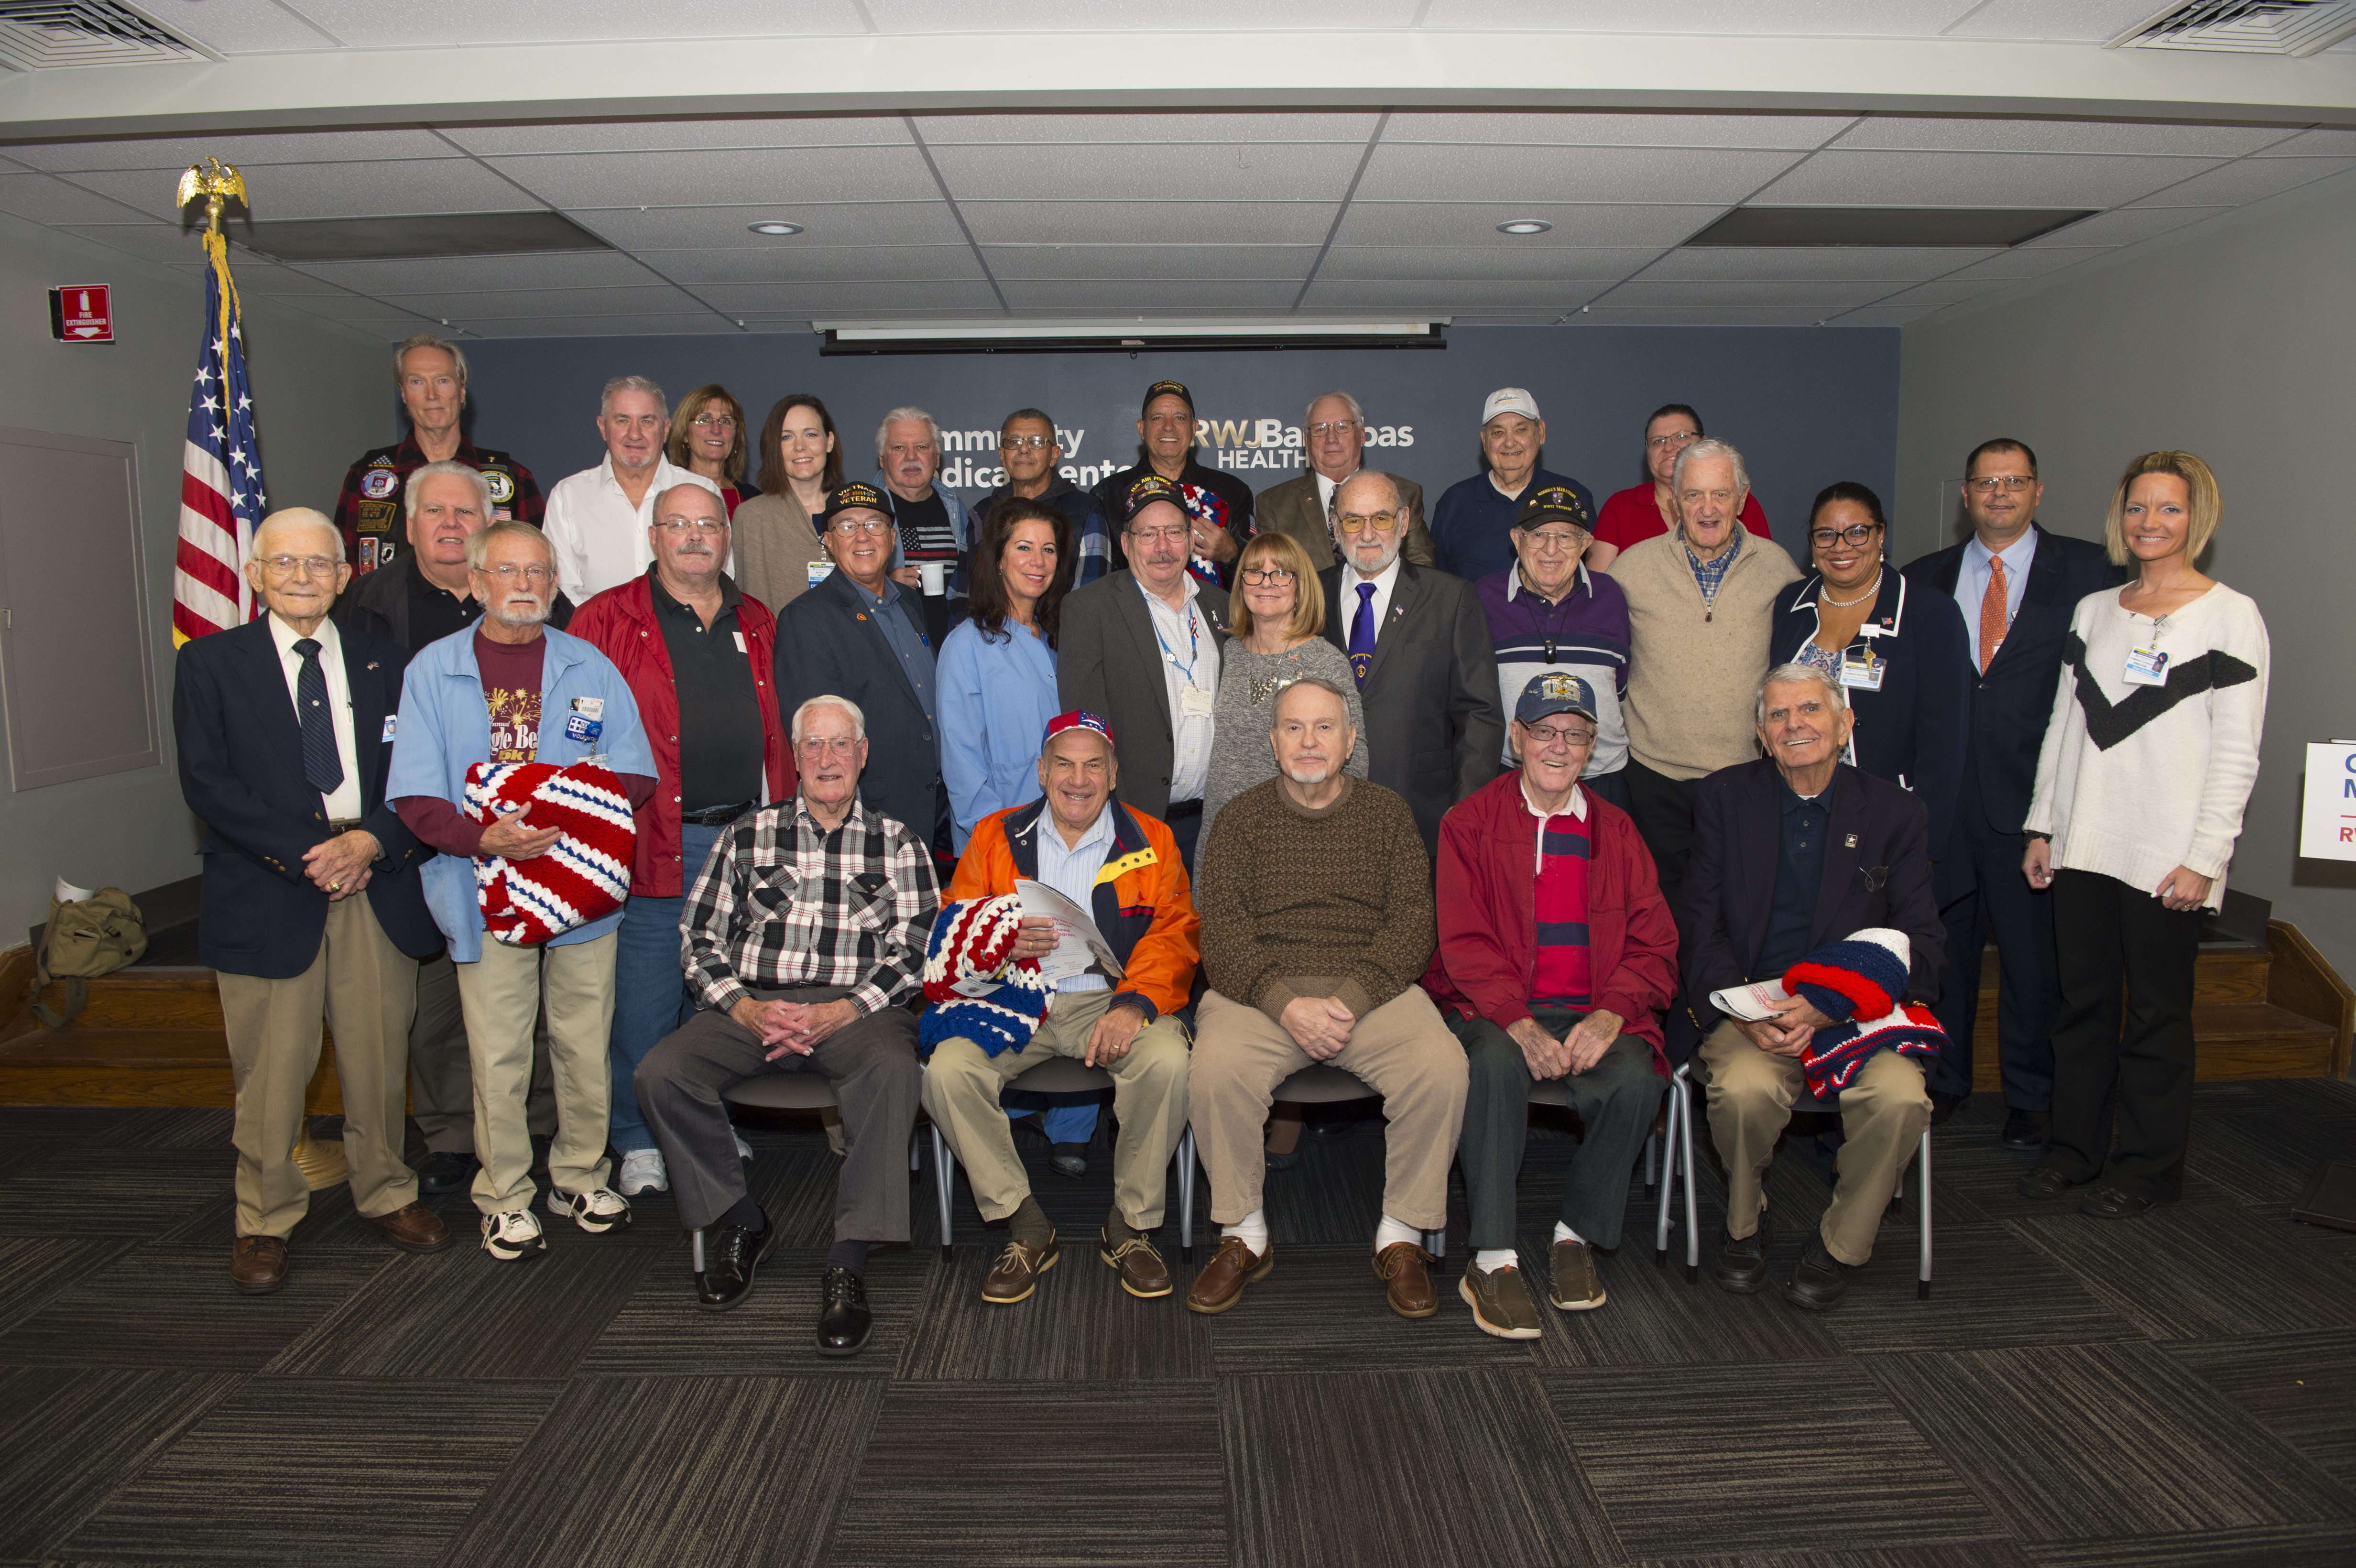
point(81, 313)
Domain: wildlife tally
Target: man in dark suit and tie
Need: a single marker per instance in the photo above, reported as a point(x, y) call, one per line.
point(1335, 444)
point(311, 904)
point(1419, 646)
point(2016, 584)
point(1790, 852)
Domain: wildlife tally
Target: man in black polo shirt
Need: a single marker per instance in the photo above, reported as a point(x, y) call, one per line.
point(699, 658)
point(1219, 506)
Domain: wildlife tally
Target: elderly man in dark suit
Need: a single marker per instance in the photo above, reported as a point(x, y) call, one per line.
point(1140, 649)
point(2015, 585)
point(1334, 441)
point(861, 635)
point(1790, 852)
point(311, 903)
point(1420, 645)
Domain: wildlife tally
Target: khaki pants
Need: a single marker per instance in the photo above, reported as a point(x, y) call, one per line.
point(442, 1073)
point(366, 988)
point(1401, 1051)
point(502, 995)
point(1883, 1111)
point(1149, 1096)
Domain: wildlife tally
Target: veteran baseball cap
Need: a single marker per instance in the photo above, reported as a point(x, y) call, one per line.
point(855, 497)
point(1557, 692)
point(1505, 401)
point(1150, 489)
point(1173, 388)
point(1553, 504)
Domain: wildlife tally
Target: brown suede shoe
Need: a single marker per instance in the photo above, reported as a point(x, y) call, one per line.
point(1575, 1287)
point(257, 1264)
point(1221, 1283)
point(1407, 1270)
point(1500, 1302)
point(1143, 1273)
point(1016, 1274)
point(415, 1228)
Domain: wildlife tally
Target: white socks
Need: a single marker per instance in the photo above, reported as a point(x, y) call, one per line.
point(1563, 1232)
point(1488, 1260)
point(1253, 1230)
point(1391, 1230)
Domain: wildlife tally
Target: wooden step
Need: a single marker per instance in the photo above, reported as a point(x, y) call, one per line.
point(77, 1066)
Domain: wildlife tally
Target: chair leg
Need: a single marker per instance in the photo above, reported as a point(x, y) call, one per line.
point(1693, 1219)
point(1652, 1151)
point(698, 1252)
point(1186, 1195)
point(1436, 1243)
point(1922, 1279)
point(944, 1167)
point(1668, 1177)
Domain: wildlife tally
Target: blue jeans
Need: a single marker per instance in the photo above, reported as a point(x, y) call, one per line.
point(650, 994)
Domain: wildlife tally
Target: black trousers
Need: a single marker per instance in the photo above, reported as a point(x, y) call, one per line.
point(2028, 980)
point(1616, 1100)
point(1663, 809)
point(2126, 1069)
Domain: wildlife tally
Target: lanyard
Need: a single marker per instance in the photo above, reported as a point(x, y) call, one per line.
point(1193, 644)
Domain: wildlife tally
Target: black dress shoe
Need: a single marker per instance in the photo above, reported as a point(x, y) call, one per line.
point(2025, 1129)
point(1819, 1280)
point(1742, 1265)
point(446, 1171)
point(2044, 1183)
point(2110, 1204)
point(1943, 1105)
point(1068, 1159)
point(843, 1320)
point(731, 1255)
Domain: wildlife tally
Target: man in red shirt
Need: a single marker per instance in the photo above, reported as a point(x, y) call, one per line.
point(1641, 511)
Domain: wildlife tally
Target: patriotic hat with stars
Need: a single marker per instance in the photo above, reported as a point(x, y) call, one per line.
point(1077, 720)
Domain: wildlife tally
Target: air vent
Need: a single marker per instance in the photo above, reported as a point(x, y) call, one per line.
point(407, 238)
point(1898, 228)
point(2245, 26)
point(43, 35)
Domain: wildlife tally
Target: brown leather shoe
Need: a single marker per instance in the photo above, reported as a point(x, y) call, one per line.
point(417, 1228)
point(1406, 1268)
point(1016, 1274)
point(1221, 1283)
point(1143, 1273)
point(257, 1264)
point(1575, 1287)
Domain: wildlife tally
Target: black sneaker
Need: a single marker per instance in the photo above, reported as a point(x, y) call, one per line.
point(1819, 1279)
point(1742, 1264)
point(843, 1320)
point(1068, 1159)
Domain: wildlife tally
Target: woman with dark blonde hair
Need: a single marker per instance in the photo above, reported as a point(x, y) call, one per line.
point(779, 552)
point(2146, 766)
point(707, 439)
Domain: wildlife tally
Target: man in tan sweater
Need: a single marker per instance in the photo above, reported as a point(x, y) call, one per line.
point(1317, 920)
point(1701, 604)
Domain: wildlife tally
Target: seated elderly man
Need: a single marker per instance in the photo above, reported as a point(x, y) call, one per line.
point(1122, 867)
point(1557, 954)
point(1790, 852)
point(1316, 921)
point(804, 939)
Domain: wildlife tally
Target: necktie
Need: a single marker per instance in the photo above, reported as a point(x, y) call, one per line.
point(320, 765)
point(1992, 616)
point(1362, 634)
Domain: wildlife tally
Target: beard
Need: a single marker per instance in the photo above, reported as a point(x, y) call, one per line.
point(1309, 771)
point(518, 612)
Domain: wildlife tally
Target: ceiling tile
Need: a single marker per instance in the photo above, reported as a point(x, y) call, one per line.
point(1475, 223)
point(335, 190)
point(1128, 172)
point(166, 243)
point(238, 27)
point(1944, 291)
point(2033, 260)
point(369, 24)
point(649, 325)
point(2123, 228)
point(726, 179)
point(1165, 126)
point(1703, 262)
point(2248, 180)
point(1974, 179)
point(45, 200)
point(1415, 173)
point(817, 265)
point(1882, 316)
point(464, 307)
point(1150, 222)
point(1800, 19)
point(1093, 17)
point(1487, 264)
point(928, 222)
point(1442, 296)
point(1899, 134)
point(1040, 263)
point(1148, 297)
point(683, 135)
point(2053, 21)
point(1696, 315)
point(2315, 144)
point(263, 279)
point(462, 275)
point(809, 299)
point(245, 151)
point(1816, 295)
point(1584, 128)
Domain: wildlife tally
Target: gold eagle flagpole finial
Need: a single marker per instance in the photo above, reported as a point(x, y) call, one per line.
point(218, 183)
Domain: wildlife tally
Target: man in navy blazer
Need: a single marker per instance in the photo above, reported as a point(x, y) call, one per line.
point(2015, 585)
point(310, 903)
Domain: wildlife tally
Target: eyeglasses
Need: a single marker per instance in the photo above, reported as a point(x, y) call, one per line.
point(713, 422)
point(1677, 438)
point(2011, 483)
point(1553, 735)
point(509, 572)
point(1324, 427)
point(1856, 533)
point(674, 526)
point(299, 565)
point(1352, 524)
point(849, 526)
point(1275, 576)
point(827, 746)
point(1556, 542)
point(1168, 533)
point(1025, 442)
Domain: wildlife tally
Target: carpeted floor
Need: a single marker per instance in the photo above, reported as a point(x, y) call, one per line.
point(2076, 1394)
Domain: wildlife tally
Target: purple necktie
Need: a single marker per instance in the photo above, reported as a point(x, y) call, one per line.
point(1361, 634)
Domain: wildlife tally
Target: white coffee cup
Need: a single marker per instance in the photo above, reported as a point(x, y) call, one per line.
point(936, 576)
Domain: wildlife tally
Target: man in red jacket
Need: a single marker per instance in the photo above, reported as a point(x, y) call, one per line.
point(1557, 953)
point(697, 656)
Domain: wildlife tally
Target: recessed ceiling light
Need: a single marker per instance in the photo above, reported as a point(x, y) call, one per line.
point(1523, 226)
point(775, 228)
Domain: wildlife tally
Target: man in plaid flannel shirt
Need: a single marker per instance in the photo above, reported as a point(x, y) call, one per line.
point(805, 940)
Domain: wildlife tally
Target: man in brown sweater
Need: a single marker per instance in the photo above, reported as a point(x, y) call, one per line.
point(1317, 920)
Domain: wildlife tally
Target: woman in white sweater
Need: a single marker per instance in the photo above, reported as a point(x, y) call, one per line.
point(2146, 766)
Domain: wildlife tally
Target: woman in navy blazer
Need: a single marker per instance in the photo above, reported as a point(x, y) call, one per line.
point(1899, 651)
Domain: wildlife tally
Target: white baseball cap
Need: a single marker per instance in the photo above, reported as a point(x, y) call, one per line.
point(1510, 400)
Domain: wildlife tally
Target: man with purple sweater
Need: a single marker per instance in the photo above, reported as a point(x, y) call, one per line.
point(1550, 616)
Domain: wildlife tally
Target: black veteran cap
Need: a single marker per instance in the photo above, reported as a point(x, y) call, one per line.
point(1554, 503)
point(1175, 389)
point(854, 496)
point(1150, 489)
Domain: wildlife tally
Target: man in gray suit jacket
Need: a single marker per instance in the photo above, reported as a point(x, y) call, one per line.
point(1141, 650)
point(1419, 646)
point(1333, 436)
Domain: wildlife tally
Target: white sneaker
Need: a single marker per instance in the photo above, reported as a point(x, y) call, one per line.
point(642, 1171)
point(744, 1149)
point(596, 1213)
point(513, 1235)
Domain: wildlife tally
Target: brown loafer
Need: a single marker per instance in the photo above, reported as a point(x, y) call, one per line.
point(1575, 1287)
point(1143, 1273)
point(1016, 1274)
point(1221, 1283)
point(417, 1228)
point(1407, 1270)
point(1500, 1302)
point(257, 1264)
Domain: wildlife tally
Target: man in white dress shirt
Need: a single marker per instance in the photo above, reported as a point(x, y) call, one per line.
point(597, 519)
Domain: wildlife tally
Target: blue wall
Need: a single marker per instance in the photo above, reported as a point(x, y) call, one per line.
point(1805, 405)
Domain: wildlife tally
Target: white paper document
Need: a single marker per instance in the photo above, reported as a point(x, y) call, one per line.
point(1751, 1003)
point(1081, 943)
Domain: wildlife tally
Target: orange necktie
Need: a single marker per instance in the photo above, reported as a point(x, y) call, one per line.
point(1992, 616)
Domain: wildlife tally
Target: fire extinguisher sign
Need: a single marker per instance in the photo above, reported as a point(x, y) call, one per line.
point(81, 313)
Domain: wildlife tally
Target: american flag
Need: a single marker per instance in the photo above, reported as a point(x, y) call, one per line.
point(220, 472)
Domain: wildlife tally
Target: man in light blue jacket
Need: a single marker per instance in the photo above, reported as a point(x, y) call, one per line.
point(509, 689)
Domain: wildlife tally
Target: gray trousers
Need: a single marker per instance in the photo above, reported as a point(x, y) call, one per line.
point(1616, 1100)
point(872, 1064)
point(442, 1075)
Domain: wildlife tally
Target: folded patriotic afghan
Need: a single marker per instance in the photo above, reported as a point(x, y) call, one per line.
point(1860, 982)
point(971, 949)
point(583, 877)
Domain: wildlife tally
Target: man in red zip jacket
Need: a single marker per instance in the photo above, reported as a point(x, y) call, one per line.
point(697, 656)
point(1557, 953)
